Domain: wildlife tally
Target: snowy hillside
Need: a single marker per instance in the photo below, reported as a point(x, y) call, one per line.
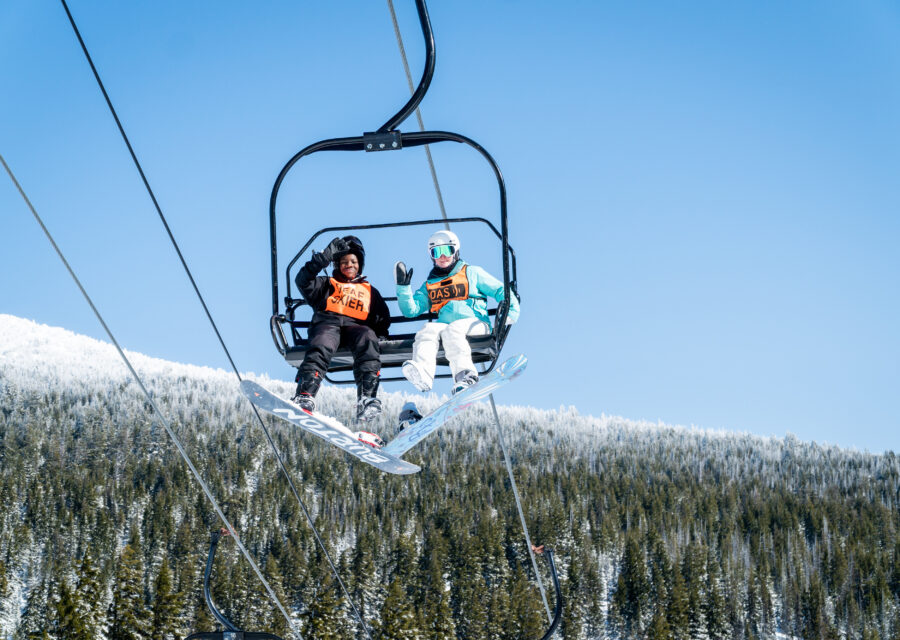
point(37, 357)
point(660, 531)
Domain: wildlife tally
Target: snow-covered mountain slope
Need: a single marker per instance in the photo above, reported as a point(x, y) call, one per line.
point(38, 357)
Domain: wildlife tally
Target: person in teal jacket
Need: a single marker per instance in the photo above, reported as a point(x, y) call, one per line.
point(458, 293)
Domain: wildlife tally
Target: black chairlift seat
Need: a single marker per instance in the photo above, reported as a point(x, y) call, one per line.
point(396, 351)
point(289, 331)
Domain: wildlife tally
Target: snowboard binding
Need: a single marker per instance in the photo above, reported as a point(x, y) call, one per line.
point(409, 415)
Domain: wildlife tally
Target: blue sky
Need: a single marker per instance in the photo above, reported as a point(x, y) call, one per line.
point(703, 197)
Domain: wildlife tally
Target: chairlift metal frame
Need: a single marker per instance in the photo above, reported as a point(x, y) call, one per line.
point(396, 349)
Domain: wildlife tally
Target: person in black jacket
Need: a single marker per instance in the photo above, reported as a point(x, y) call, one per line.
point(348, 311)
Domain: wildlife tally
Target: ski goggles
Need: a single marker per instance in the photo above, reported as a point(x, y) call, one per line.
point(445, 250)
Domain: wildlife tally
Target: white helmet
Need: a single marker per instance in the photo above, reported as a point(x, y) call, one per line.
point(444, 238)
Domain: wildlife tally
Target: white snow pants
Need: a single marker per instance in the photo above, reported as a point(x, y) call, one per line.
point(453, 337)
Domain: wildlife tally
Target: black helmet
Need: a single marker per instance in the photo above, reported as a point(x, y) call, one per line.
point(356, 248)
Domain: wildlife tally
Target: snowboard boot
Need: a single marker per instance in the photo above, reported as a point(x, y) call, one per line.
point(414, 372)
point(463, 380)
point(368, 407)
point(307, 387)
point(409, 415)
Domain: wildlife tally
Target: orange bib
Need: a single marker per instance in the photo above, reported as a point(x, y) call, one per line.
point(351, 299)
point(456, 287)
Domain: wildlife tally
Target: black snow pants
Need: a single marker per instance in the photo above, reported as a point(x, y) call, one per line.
point(327, 333)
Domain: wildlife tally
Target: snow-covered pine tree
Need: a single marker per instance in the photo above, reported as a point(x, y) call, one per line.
point(398, 616)
point(130, 617)
point(166, 605)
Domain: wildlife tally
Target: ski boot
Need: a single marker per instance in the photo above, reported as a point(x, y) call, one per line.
point(368, 407)
point(463, 380)
point(413, 372)
point(307, 387)
point(304, 401)
point(409, 415)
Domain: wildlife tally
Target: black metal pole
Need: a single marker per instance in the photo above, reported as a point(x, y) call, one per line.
point(557, 614)
point(225, 622)
point(427, 74)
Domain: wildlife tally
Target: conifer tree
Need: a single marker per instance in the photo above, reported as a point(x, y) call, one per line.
point(89, 598)
point(166, 605)
point(235, 592)
point(471, 598)
point(659, 627)
point(363, 585)
point(325, 620)
point(438, 620)
point(714, 605)
point(434, 602)
point(195, 614)
point(4, 581)
point(35, 622)
point(398, 618)
point(632, 597)
point(68, 623)
point(694, 577)
point(572, 626)
point(274, 621)
point(527, 615)
point(130, 617)
point(594, 588)
point(678, 608)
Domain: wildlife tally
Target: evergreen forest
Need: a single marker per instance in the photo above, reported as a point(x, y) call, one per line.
point(660, 532)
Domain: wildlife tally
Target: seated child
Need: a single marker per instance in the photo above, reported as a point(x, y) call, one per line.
point(348, 310)
point(457, 292)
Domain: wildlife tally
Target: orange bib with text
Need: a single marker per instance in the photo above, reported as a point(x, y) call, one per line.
point(456, 287)
point(351, 299)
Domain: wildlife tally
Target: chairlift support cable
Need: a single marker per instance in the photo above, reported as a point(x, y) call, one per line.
point(512, 478)
point(214, 327)
point(409, 80)
point(162, 419)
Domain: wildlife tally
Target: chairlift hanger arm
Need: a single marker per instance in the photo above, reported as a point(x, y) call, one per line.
point(427, 74)
point(557, 614)
point(231, 632)
point(225, 622)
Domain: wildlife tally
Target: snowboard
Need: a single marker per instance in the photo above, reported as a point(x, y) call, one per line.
point(327, 428)
point(487, 384)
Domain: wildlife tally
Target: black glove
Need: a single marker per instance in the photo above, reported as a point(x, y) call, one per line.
point(401, 275)
point(336, 246)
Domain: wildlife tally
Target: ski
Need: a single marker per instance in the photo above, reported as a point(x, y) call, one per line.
point(327, 428)
point(412, 435)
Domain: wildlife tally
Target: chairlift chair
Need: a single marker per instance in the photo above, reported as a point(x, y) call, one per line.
point(287, 326)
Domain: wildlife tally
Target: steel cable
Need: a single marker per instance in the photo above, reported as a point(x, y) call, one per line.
point(209, 314)
point(156, 409)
